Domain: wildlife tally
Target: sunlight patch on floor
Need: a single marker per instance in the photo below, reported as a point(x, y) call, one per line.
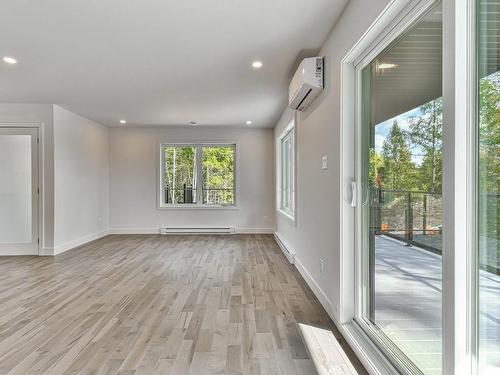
point(325, 351)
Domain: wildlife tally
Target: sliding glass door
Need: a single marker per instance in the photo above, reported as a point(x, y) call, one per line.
point(488, 156)
point(430, 306)
point(400, 169)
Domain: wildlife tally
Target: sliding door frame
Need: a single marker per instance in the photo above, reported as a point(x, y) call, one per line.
point(459, 183)
point(459, 166)
point(410, 16)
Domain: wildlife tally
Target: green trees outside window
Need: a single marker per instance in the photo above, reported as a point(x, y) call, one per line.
point(180, 174)
point(184, 165)
point(218, 174)
point(410, 157)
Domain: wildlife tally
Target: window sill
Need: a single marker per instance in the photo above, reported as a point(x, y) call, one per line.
point(197, 207)
point(288, 216)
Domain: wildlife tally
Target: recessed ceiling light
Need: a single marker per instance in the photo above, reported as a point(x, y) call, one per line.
point(387, 65)
point(10, 60)
point(249, 122)
point(257, 64)
point(123, 121)
point(193, 123)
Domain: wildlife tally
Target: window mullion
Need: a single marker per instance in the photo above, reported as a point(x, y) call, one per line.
point(292, 179)
point(199, 176)
point(163, 173)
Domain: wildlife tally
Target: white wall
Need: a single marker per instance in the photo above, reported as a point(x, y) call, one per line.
point(316, 232)
point(134, 177)
point(38, 115)
point(81, 179)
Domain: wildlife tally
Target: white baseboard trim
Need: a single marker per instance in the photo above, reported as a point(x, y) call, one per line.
point(15, 253)
point(254, 230)
point(75, 243)
point(156, 230)
point(322, 297)
point(373, 363)
point(286, 249)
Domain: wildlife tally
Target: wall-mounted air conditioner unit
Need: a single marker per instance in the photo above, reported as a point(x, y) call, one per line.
point(307, 83)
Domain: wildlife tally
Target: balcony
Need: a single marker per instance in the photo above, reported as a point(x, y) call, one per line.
point(415, 218)
point(408, 277)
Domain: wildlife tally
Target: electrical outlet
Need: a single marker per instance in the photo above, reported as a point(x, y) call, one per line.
point(324, 162)
point(321, 265)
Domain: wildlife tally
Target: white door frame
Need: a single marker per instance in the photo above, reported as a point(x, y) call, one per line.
point(38, 172)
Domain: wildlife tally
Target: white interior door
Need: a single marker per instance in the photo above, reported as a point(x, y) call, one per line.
point(18, 191)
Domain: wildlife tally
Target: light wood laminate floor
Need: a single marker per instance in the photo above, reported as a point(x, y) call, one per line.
point(150, 304)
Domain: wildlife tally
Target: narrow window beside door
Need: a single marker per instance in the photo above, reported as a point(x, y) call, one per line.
point(286, 168)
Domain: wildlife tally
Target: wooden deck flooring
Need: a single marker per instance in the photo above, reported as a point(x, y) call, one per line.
point(149, 304)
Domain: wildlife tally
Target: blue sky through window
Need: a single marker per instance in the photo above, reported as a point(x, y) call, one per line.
point(382, 131)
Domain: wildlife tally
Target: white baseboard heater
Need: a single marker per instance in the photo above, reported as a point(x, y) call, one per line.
point(196, 230)
point(290, 255)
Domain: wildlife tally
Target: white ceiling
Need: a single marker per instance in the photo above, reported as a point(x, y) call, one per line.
point(160, 62)
point(417, 77)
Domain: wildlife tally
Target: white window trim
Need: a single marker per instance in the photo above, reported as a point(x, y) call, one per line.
point(161, 205)
point(287, 214)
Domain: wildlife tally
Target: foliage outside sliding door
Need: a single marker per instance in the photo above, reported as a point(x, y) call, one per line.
point(488, 181)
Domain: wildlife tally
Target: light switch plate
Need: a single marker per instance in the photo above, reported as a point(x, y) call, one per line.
point(324, 162)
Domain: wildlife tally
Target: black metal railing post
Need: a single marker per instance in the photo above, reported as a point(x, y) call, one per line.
point(378, 210)
point(424, 215)
point(408, 220)
point(167, 195)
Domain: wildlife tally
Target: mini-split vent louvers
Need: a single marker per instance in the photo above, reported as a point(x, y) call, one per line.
point(307, 83)
point(196, 230)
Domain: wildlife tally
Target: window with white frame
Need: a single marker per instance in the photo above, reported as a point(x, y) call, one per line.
point(286, 168)
point(197, 175)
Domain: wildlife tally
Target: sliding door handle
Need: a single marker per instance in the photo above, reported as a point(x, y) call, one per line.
point(354, 194)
